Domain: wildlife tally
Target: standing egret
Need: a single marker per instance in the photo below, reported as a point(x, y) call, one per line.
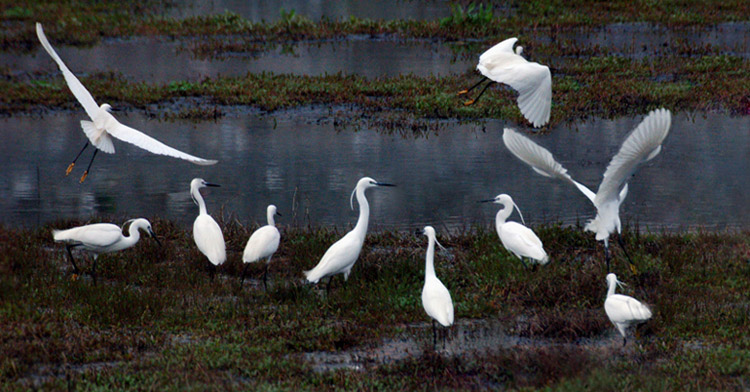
point(436, 299)
point(341, 256)
point(517, 238)
point(533, 81)
point(262, 244)
point(643, 144)
point(102, 238)
point(206, 232)
point(103, 125)
point(622, 310)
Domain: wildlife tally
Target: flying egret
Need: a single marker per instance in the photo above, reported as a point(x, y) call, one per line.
point(436, 299)
point(643, 144)
point(341, 256)
point(103, 125)
point(533, 81)
point(517, 238)
point(622, 310)
point(102, 238)
point(262, 244)
point(206, 232)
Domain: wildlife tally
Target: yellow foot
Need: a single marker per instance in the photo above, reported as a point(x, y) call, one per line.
point(83, 177)
point(70, 168)
point(633, 269)
point(462, 92)
point(469, 102)
point(74, 277)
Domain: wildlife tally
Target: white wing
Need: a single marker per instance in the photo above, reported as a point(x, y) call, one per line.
point(643, 144)
point(540, 159)
point(140, 139)
point(522, 241)
point(95, 235)
point(436, 300)
point(262, 243)
point(505, 46)
point(82, 95)
point(209, 239)
point(340, 256)
point(623, 309)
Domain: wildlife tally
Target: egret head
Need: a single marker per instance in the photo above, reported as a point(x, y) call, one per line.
point(106, 107)
point(199, 183)
point(429, 231)
point(612, 279)
point(365, 183)
point(271, 210)
point(145, 225)
point(505, 200)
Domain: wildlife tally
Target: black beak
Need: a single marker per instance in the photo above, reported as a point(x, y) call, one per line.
point(278, 213)
point(383, 184)
point(111, 109)
point(213, 185)
point(486, 201)
point(153, 235)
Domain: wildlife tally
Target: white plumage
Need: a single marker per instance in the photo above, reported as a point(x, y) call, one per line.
point(622, 310)
point(517, 238)
point(104, 125)
point(206, 232)
point(436, 299)
point(263, 243)
point(341, 256)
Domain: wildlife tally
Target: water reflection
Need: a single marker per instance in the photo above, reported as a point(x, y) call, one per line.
point(698, 180)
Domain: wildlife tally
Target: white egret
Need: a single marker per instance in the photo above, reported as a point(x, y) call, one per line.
point(206, 232)
point(262, 244)
point(102, 238)
point(436, 299)
point(533, 81)
point(643, 144)
point(517, 238)
point(341, 256)
point(622, 310)
point(103, 126)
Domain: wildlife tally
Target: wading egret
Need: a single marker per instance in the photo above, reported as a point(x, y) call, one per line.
point(262, 244)
point(436, 299)
point(102, 238)
point(103, 126)
point(533, 81)
point(623, 311)
point(517, 238)
point(643, 144)
point(341, 256)
point(206, 232)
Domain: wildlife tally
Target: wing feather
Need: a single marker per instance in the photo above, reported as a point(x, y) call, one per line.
point(94, 235)
point(140, 139)
point(262, 243)
point(209, 239)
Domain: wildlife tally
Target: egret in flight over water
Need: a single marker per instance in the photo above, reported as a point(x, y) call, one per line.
point(102, 238)
point(341, 256)
point(436, 299)
point(643, 144)
point(622, 310)
point(517, 238)
point(206, 232)
point(533, 81)
point(103, 126)
point(262, 244)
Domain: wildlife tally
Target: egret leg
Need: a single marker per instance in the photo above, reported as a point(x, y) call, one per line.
point(86, 173)
point(93, 270)
point(622, 245)
point(606, 256)
point(75, 267)
point(472, 101)
point(523, 262)
point(212, 270)
point(434, 335)
point(70, 167)
point(328, 286)
point(624, 341)
point(242, 280)
point(466, 91)
point(265, 274)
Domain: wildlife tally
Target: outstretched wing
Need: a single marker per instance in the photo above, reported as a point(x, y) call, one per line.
point(505, 46)
point(642, 145)
point(540, 159)
point(82, 95)
point(140, 139)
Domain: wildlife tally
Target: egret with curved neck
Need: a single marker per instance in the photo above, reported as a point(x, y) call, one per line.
point(262, 244)
point(517, 238)
point(436, 299)
point(622, 310)
point(206, 232)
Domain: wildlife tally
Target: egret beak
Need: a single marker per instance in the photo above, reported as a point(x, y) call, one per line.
point(213, 185)
point(153, 235)
point(111, 109)
point(383, 184)
point(486, 201)
point(278, 213)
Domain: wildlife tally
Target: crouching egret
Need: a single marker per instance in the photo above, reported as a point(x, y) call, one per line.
point(436, 299)
point(533, 81)
point(517, 238)
point(206, 232)
point(102, 238)
point(262, 244)
point(643, 144)
point(341, 256)
point(622, 310)
point(103, 126)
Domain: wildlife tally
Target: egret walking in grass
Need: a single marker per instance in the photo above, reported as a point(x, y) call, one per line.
point(102, 238)
point(206, 232)
point(517, 238)
point(622, 310)
point(103, 126)
point(262, 244)
point(533, 81)
point(643, 144)
point(436, 299)
point(341, 256)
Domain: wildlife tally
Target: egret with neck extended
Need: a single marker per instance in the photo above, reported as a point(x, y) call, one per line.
point(206, 232)
point(262, 244)
point(517, 238)
point(436, 299)
point(622, 310)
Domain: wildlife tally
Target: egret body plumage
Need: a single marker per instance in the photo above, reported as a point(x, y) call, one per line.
point(643, 144)
point(206, 232)
point(436, 299)
point(103, 126)
point(533, 81)
point(341, 256)
point(622, 310)
point(262, 244)
point(517, 238)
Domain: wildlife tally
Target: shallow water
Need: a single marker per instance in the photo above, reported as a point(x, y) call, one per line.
point(308, 169)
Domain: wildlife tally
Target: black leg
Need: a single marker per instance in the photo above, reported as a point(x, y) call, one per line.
point(75, 267)
point(622, 245)
point(242, 280)
point(524, 263)
point(473, 101)
point(265, 274)
point(70, 167)
point(328, 286)
point(606, 255)
point(213, 271)
point(624, 341)
point(462, 92)
point(434, 335)
point(86, 173)
point(93, 271)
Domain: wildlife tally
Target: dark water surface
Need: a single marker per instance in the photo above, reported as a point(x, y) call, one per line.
point(308, 169)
